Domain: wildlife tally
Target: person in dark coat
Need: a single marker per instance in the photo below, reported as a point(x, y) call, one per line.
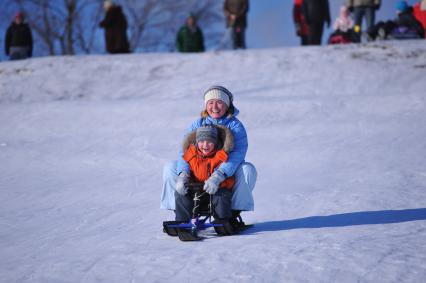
point(190, 37)
point(299, 22)
point(236, 18)
point(115, 25)
point(19, 39)
point(316, 13)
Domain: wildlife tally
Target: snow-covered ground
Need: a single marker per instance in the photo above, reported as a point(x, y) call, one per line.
point(337, 133)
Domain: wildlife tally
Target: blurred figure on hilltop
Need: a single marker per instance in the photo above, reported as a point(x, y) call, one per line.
point(316, 13)
point(405, 26)
point(300, 22)
point(236, 18)
point(420, 13)
point(19, 39)
point(115, 25)
point(364, 8)
point(190, 37)
point(343, 28)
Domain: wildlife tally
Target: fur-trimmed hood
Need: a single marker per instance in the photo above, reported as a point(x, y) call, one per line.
point(225, 137)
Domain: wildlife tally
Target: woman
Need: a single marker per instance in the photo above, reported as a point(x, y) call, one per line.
point(219, 110)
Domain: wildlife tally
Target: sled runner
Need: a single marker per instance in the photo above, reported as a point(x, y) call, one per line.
point(202, 215)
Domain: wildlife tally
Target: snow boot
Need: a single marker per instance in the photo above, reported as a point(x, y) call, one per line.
point(225, 228)
point(236, 220)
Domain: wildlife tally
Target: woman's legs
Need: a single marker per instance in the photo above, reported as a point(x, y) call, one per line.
point(169, 184)
point(245, 180)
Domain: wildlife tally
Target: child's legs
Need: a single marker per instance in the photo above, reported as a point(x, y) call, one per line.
point(242, 193)
point(184, 206)
point(169, 185)
point(221, 202)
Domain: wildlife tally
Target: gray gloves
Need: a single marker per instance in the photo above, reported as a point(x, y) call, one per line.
point(212, 184)
point(181, 183)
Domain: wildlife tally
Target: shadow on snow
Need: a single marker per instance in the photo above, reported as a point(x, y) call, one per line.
point(342, 220)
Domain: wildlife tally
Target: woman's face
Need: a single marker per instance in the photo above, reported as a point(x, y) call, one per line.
point(205, 147)
point(216, 108)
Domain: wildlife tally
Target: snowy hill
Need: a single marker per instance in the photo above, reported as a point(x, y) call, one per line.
point(337, 134)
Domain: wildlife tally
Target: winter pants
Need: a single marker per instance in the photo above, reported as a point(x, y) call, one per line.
point(303, 40)
point(315, 33)
point(242, 197)
point(239, 38)
point(19, 52)
point(221, 203)
point(368, 12)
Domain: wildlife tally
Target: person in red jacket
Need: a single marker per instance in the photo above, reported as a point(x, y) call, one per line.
point(299, 22)
point(204, 150)
point(420, 13)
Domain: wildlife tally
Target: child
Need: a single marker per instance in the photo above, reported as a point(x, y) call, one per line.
point(344, 22)
point(343, 28)
point(205, 149)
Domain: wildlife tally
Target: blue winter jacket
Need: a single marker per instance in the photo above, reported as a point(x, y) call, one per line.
point(236, 157)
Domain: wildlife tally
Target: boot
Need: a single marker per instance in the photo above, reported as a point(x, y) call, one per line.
point(237, 221)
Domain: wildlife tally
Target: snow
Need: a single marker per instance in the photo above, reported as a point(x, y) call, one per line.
point(337, 134)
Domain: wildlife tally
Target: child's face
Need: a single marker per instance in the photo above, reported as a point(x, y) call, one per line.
point(206, 147)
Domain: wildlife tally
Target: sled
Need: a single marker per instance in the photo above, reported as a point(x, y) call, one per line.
point(202, 214)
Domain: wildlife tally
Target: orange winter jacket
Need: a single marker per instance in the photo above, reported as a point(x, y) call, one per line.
point(202, 167)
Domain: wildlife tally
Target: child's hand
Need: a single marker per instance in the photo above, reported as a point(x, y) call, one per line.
point(181, 183)
point(212, 184)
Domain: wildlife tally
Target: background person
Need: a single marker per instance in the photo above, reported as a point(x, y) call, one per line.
point(420, 13)
point(190, 37)
point(236, 18)
point(316, 13)
point(300, 22)
point(19, 39)
point(364, 8)
point(115, 25)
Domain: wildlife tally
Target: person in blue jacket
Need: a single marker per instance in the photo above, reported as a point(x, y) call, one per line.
point(219, 110)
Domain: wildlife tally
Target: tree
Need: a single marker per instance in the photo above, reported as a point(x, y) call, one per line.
point(62, 27)
point(71, 26)
point(154, 24)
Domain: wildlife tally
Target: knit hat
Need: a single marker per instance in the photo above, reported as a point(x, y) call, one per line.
point(401, 6)
point(206, 133)
point(218, 92)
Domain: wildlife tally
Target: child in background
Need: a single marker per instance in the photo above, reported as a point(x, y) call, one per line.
point(343, 28)
point(344, 22)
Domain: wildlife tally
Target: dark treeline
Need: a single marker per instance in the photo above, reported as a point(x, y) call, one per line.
point(72, 26)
